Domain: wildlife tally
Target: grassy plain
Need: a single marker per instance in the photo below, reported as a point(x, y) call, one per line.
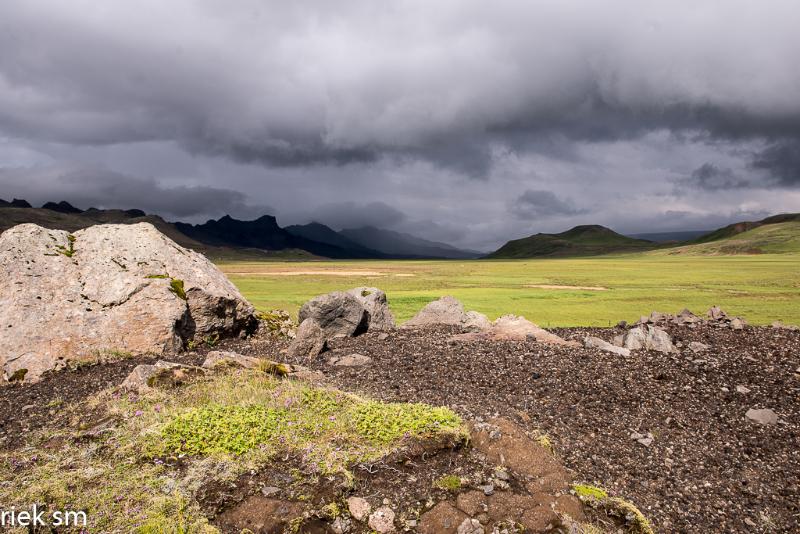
point(762, 288)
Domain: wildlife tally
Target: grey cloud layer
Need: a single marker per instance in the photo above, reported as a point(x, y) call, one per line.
point(468, 120)
point(301, 83)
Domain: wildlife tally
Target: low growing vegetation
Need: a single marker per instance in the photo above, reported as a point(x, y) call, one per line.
point(126, 478)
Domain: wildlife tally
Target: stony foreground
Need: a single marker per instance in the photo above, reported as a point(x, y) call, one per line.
point(666, 430)
point(705, 468)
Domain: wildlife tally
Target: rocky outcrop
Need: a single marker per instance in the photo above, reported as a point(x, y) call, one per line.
point(715, 316)
point(340, 314)
point(106, 289)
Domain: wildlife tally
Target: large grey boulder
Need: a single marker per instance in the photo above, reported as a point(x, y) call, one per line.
point(337, 314)
point(340, 314)
point(379, 316)
point(106, 289)
point(311, 340)
point(648, 338)
point(443, 311)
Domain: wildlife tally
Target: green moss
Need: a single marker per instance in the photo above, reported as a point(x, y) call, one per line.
point(544, 441)
point(273, 368)
point(590, 492)
point(332, 428)
point(448, 482)
point(365, 293)
point(382, 423)
point(628, 511)
point(176, 286)
point(157, 276)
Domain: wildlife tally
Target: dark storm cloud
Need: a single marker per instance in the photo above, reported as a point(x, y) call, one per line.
point(303, 84)
point(782, 162)
point(443, 110)
point(533, 204)
point(100, 188)
point(710, 177)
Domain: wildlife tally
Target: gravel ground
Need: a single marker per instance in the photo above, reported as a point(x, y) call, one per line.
point(708, 468)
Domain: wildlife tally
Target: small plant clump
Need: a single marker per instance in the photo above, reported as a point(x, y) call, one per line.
point(176, 286)
point(69, 250)
point(614, 506)
point(448, 483)
point(273, 368)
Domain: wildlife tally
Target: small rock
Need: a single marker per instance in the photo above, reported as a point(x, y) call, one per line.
point(359, 508)
point(749, 522)
point(597, 343)
point(340, 525)
point(382, 520)
point(743, 390)
point(644, 439)
point(737, 323)
point(269, 490)
point(383, 336)
point(696, 346)
point(501, 474)
point(487, 489)
point(221, 358)
point(470, 526)
point(351, 360)
point(764, 416)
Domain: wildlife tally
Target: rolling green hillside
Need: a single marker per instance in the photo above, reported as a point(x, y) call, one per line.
point(770, 238)
point(588, 240)
point(744, 226)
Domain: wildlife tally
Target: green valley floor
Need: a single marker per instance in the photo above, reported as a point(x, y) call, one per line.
point(551, 292)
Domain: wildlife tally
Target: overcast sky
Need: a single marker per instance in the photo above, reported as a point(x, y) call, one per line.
point(470, 122)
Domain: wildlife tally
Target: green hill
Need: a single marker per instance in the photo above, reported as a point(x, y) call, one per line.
point(587, 240)
point(766, 238)
point(745, 226)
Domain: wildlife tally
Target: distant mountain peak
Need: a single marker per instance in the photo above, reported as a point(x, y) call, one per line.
point(61, 207)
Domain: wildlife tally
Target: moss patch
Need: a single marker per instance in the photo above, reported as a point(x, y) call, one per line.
point(448, 483)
